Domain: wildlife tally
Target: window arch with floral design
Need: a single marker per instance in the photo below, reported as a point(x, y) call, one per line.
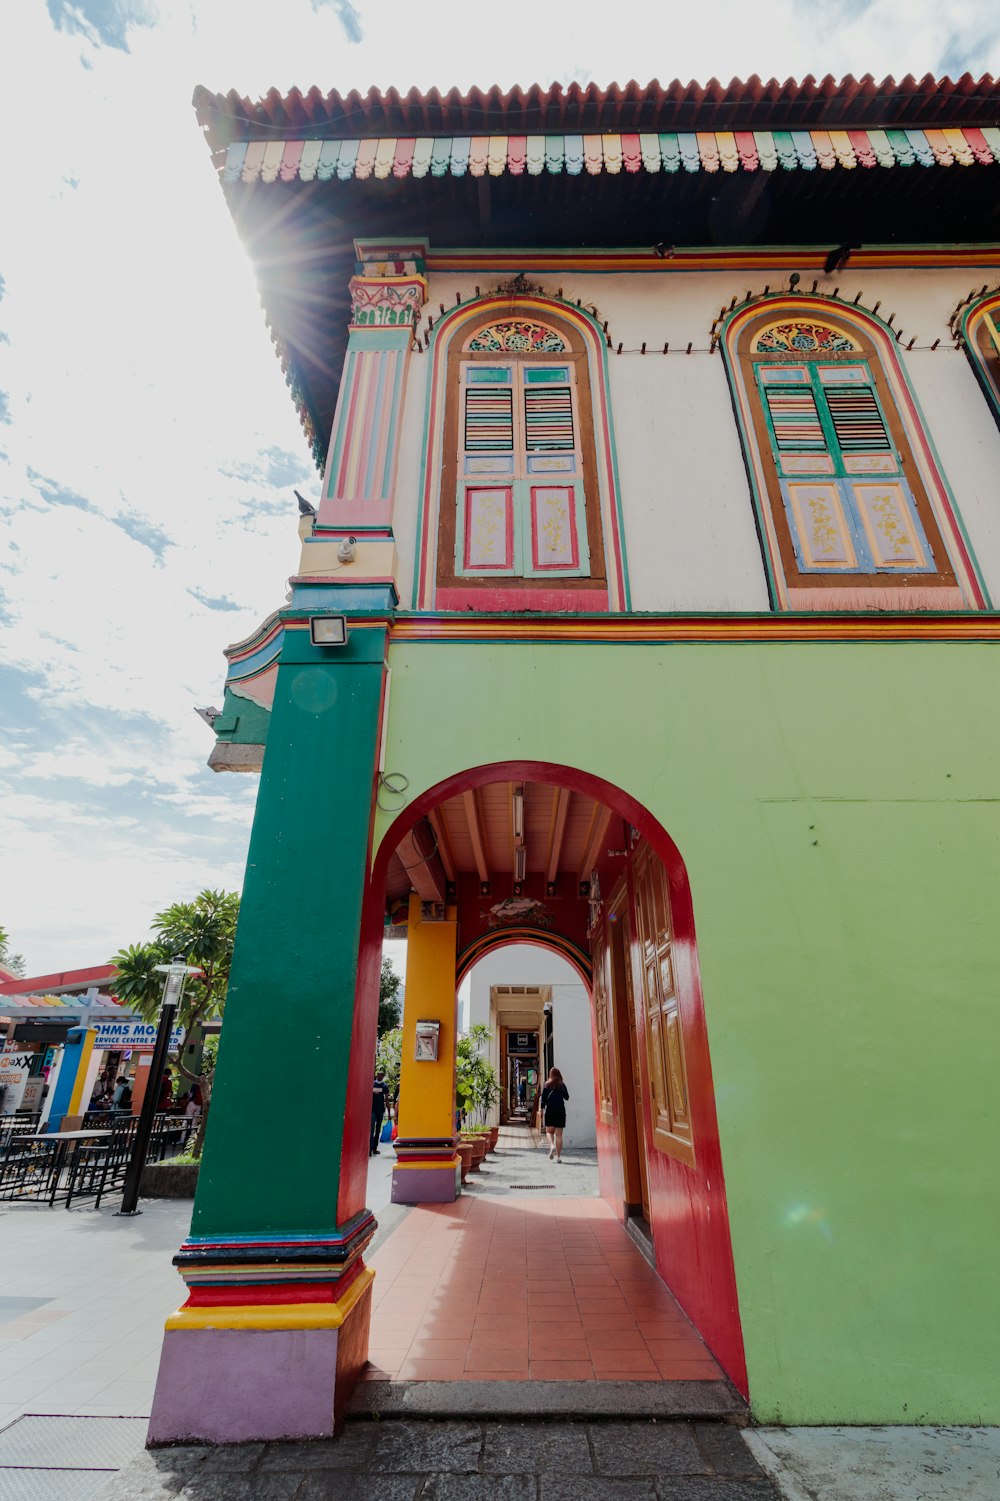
point(852, 508)
point(520, 495)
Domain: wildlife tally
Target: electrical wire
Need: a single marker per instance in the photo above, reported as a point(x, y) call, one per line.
point(396, 785)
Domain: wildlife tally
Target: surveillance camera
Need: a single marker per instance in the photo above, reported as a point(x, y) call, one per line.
point(347, 549)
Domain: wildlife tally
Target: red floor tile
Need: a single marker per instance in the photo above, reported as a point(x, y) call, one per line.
point(420, 1369)
point(561, 1370)
point(689, 1370)
point(464, 1293)
point(615, 1339)
point(611, 1364)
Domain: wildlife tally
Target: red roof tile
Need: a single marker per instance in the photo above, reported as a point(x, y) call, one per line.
point(747, 104)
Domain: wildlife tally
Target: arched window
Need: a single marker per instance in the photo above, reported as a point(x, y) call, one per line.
point(523, 487)
point(981, 333)
point(852, 509)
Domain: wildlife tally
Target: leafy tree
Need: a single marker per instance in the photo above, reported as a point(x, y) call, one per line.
point(202, 933)
point(14, 962)
point(389, 1009)
point(389, 1055)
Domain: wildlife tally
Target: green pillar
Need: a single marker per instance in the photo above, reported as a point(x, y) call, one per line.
point(272, 1153)
point(277, 1314)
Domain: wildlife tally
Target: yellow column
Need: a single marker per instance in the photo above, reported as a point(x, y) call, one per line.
point(428, 1169)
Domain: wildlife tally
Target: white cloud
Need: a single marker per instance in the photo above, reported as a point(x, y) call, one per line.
point(142, 477)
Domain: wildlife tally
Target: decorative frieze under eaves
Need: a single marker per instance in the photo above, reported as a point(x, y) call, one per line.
point(702, 151)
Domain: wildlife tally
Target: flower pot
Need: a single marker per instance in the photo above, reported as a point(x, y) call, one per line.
point(494, 1138)
point(478, 1144)
point(465, 1152)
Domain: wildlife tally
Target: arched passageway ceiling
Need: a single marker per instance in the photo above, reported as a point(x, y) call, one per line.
point(477, 832)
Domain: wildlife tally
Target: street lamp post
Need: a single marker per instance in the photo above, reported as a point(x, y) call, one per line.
point(176, 972)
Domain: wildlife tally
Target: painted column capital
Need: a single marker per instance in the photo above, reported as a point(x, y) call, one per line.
point(390, 286)
point(389, 301)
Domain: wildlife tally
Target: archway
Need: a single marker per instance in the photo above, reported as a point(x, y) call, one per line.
point(615, 886)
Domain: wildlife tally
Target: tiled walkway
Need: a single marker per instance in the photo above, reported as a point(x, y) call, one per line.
point(547, 1288)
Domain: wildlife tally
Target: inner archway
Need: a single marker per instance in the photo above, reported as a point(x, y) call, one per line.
point(535, 852)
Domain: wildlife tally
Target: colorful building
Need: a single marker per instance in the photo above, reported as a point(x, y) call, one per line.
point(645, 615)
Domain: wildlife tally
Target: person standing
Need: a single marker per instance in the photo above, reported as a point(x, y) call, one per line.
point(553, 1103)
point(380, 1103)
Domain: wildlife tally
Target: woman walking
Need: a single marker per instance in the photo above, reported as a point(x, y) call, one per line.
point(554, 1097)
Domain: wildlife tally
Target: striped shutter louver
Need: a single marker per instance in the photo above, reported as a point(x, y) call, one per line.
point(489, 419)
point(857, 420)
point(548, 418)
point(795, 420)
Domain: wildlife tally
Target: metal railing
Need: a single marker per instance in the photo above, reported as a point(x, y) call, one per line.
point(54, 1171)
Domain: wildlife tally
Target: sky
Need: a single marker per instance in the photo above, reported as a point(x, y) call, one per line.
point(148, 445)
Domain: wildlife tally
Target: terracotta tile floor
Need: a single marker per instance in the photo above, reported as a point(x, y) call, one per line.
point(550, 1290)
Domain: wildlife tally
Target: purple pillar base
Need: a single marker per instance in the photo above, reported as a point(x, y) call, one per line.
point(427, 1185)
point(228, 1386)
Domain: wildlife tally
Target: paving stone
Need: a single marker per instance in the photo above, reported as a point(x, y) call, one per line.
point(480, 1488)
point(351, 1485)
point(646, 1449)
point(241, 1487)
point(232, 1459)
point(451, 1448)
point(712, 1488)
point(534, 1448)
point(351, 1451)
point(594, 1488)
point(725, 1449)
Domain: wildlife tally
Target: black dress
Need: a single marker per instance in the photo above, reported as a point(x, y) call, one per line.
point(554, 1097)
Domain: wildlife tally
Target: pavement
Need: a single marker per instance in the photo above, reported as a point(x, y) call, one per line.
point(84, 1297)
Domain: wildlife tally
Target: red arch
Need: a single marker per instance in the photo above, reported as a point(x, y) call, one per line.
point(554, 943)
point(690, 1218)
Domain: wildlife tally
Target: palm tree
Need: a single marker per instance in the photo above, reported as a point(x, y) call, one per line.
point(202, 932)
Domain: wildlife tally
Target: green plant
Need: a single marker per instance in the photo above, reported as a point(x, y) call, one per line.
point(389, 1055)
point(476, 1085)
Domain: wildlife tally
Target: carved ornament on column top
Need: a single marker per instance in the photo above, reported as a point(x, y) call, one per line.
point(389, 289)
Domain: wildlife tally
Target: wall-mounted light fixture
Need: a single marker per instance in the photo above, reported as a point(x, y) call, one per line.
point(520, 863)
point(328, 630)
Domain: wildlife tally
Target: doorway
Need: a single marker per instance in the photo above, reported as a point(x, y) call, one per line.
point(547, 855)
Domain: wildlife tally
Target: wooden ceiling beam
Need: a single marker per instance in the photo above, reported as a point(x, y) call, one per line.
point(560, 808)
point(418, 854)
point(436, 821)
point(598, 833)
point(476, 834)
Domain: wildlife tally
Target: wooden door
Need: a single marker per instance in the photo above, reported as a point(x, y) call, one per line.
point(627, 1051)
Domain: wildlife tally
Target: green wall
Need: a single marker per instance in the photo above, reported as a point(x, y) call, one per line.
point(838, 810)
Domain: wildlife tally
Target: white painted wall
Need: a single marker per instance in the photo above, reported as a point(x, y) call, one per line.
point(689, 530)
point(523, 964)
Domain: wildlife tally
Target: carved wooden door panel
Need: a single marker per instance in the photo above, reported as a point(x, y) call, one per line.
point(671, 1117)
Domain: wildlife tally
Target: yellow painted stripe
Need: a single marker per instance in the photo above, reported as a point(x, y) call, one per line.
point(272, 1316)
point(973, 626)
point(414, 1167)
point(76, 1106)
